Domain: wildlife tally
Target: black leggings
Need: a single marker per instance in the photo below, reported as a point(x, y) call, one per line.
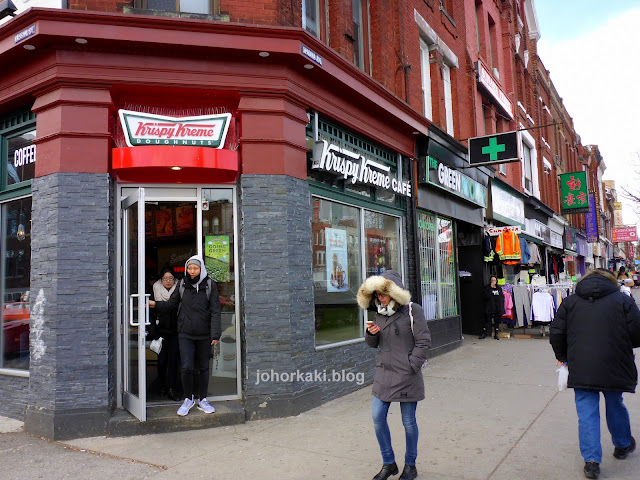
point(489, 318)
point(194, 355)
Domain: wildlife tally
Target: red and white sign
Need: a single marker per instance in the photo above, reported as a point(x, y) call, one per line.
point(149, 129)
point(624, 234)
point(487, 81)
point(495, 231)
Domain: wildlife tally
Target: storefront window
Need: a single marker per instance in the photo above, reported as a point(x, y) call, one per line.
point(218, 251)
point(337, 264)
point(437, 266)
point(21, 158)
point(15, 272)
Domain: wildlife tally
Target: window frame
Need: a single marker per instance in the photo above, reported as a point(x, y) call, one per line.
point(12, 125)
point(322, 195)
point(214, 7)
point(425, 69)
point(448, 98)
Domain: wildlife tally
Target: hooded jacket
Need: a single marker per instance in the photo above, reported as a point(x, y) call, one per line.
point(493, 300)
point(595, 331)
point(199, 317)
point(402, 353)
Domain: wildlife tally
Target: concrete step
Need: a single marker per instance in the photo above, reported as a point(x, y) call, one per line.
point(163, 418)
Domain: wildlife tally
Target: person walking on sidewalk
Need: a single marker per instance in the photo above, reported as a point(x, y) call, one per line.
point(493, 307)
point(400, 332)
point(594, 333)
point(199, 327)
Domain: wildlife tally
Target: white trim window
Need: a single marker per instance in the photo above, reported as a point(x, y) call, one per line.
point(529, 160)
point(425, 67)
point(448, 103)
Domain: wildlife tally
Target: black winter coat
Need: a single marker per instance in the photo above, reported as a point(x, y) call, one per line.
point(199, 318)
point(493, 300)
point(163, 324)
point(595, 331)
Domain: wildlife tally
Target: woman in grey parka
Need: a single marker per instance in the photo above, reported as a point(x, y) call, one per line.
point(398, 376)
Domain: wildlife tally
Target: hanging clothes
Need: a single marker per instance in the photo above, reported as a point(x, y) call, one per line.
point(524, 250)
point(535, 254)
point(522, 303)
point(508, 247)
point(487, 249)
point(542, 307)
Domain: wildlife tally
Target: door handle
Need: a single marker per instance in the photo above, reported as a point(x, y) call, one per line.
point(147, 320)
point(131, 322)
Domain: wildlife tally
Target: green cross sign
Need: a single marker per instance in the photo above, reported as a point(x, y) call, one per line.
point(493, 148)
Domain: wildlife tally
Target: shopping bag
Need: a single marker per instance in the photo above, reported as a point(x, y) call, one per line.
point(563, 376)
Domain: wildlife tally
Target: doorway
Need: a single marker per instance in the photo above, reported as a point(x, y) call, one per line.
point(162, 227)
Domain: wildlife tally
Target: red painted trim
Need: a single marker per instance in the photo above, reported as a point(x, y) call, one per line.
point(153, 164)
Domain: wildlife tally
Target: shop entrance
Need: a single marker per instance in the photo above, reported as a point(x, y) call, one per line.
point(163, 227)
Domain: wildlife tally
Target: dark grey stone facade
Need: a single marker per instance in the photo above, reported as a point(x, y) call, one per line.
point(277, 286)
point(71, 388)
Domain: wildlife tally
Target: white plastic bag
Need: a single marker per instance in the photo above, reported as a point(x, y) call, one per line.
point(563, 376)
point(156, 345)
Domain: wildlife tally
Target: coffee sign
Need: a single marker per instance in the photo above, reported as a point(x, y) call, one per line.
point(356, 168)
point(149, 129)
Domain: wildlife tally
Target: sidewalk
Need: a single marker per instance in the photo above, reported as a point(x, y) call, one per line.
point(492, 411)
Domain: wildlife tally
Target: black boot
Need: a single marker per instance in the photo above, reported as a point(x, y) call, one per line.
point(409, 473)
point(173, 395)
point(483, 334)
point(387, 470)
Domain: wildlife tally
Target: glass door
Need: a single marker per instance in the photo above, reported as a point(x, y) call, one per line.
point(135, 304)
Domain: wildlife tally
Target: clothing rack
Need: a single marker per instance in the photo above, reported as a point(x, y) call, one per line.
point(569, 286)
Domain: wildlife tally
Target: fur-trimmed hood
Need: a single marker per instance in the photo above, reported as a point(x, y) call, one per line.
point(388, 283)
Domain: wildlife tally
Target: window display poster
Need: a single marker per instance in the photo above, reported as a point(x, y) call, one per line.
point(164, 222)
point(336, 254)
point(217, 257)
point(184, 219)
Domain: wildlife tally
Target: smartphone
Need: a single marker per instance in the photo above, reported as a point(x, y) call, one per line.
point(369, 322)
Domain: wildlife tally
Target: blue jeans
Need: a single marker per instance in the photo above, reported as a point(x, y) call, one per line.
point(588, 408)
point(381, 427)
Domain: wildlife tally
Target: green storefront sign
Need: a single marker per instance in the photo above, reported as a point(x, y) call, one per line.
point(455, 182)
point(574, 197)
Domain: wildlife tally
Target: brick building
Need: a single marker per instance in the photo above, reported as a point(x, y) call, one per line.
point(298, 146)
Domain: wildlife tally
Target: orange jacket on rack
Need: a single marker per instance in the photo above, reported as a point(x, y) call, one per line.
point(508, 247)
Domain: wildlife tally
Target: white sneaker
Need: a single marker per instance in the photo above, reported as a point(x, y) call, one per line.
point(204, 406)
point(186, 406)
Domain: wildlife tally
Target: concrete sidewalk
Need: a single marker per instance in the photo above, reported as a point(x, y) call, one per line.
point(492, 411)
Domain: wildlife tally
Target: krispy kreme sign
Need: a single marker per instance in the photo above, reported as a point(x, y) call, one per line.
point(149, 129)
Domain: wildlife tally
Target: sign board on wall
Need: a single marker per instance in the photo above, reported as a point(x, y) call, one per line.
point(356, 168)
point(455, 182)
point(495, 231)
point(150, 129)
point(592, 219)
point(507, 206)
point(486, 80)
point(617, 218)
point(336, 260)
point(574, 197)
point(624, 234)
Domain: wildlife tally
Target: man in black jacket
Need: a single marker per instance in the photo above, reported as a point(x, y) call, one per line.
point(594, 333)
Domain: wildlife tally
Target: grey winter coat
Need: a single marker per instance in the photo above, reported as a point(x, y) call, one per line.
point(398, 376)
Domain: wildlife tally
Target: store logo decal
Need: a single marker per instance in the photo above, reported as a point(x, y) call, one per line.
point(355, 168)
point(149, 129)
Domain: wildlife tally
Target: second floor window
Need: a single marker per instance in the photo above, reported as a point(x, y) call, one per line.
point(205, 7)
point(526, 158)
point(310, 16)
point(358, 34)
point(448, 102)
point(426, 79)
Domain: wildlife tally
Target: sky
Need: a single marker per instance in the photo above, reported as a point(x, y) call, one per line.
point(591, 48)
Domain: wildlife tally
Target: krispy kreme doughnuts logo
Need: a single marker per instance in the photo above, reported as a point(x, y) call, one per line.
point(149, 129)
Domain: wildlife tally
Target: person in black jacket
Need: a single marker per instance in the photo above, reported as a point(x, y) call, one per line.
point(493, 307)
point(199, 327)
point(594, 333)
point(165, 325)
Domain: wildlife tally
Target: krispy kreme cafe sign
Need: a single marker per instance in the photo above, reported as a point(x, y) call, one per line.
point(356, 168)
point(149, 129)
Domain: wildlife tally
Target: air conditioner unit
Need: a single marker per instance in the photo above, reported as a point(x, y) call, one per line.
point(496, 73)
